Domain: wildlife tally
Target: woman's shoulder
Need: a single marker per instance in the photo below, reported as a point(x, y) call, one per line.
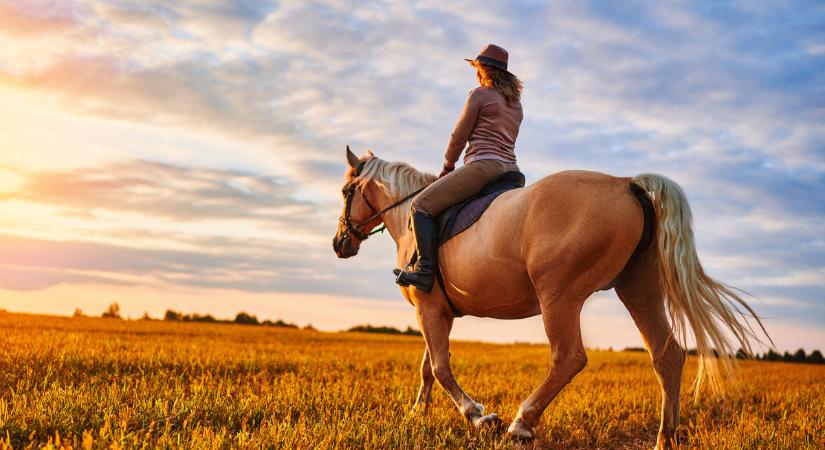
point(482, 91)
point(484, 95)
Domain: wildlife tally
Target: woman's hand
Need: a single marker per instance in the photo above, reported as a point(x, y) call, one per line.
point(447, 169)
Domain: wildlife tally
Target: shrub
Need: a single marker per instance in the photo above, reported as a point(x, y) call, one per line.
point(112, 312)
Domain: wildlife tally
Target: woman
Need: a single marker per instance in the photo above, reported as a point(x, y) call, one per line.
point(490, 122)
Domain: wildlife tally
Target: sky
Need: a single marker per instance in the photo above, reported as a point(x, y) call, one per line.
point(190, 154)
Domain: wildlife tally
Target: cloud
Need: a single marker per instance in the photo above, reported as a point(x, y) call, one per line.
point(251, 265)
point(165, 191)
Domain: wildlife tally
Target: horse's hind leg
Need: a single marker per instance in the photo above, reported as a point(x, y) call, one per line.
point(561, 323)
point(639, 290)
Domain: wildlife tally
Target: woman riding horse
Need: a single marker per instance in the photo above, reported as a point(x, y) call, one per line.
point(490, 122)
point(547, 263)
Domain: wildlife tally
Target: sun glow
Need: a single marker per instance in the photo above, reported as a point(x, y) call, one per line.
point(10, 180)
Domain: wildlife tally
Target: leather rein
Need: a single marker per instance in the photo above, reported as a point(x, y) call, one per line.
point(346, 220)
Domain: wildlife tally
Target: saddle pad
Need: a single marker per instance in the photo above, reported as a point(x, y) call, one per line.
point(460, 217)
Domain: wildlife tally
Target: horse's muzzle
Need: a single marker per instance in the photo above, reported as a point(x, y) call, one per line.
point(343, 247)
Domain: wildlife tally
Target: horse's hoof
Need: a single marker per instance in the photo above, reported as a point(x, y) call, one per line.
point(488, 421)
point(520, 431)
point(420, 409)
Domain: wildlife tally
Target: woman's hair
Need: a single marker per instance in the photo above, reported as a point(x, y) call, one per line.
point(501, 80)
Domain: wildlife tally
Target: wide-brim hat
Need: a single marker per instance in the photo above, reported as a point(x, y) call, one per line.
point(492, 55)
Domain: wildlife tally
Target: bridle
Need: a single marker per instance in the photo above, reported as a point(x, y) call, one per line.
point(346, 220)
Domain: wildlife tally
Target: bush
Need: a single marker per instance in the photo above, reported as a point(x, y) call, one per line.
point(113, 312)
point(384, 330)
point(634, 349)
point(246, 319)
point(815, 358)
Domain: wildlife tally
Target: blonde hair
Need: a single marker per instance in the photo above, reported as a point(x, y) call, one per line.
point(397, 178)
point(696, 303)
point(505, 82)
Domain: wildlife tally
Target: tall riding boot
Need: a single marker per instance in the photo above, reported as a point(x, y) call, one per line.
point(423, 277)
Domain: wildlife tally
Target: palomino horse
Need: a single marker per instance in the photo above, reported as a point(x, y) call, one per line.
point(545, 249)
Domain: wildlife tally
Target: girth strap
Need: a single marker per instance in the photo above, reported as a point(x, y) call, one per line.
point(440, 278)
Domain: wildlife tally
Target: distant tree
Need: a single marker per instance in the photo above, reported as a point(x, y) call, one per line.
point(787, 357)
point(799, 356)
point(78, 313)
point(112, 312)
point(207, 318)
point(171, 315)
point(309, 327)
point(634, 349)
point(412, 332)
point(246, 319)
point(146, 316)
point(372, 329)
point(281, 323)
point(741, 354)
point(772, 356)
point(815, 357)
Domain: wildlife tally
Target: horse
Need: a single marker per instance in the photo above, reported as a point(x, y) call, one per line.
point(543, 250)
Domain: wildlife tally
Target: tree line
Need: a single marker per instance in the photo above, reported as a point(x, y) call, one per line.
point(384, 330)
point(242, 318)
point(815, 357)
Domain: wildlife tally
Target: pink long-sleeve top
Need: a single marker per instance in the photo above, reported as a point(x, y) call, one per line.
point(490, 124)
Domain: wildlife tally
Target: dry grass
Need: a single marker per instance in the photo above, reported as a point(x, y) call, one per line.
point(109, 383)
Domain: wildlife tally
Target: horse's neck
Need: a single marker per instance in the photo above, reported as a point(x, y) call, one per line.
point(397, 222)
point(396, 219)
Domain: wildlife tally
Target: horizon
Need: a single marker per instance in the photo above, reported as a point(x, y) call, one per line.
point(272, 322)
point(190, 157)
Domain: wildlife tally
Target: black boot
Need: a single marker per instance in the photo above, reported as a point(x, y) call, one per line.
point(423, 277)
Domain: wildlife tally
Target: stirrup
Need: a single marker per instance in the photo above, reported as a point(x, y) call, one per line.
point(398, 273)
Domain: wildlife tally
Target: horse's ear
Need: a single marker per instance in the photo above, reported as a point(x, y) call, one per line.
point(353, 160)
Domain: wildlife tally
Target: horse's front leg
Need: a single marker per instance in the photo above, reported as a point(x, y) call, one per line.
point(436, 324)
point(422, 403)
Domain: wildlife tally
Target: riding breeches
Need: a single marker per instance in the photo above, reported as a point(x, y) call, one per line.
point(459, 185)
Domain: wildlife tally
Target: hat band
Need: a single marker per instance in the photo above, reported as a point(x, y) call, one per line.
point(491, 62)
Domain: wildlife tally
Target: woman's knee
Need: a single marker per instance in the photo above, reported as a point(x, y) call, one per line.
point(422, 204)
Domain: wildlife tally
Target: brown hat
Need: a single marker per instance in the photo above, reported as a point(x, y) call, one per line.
point(492, 55)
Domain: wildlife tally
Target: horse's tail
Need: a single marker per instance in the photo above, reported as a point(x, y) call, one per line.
point(695, 301)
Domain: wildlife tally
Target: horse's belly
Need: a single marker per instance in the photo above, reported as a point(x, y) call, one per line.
point(490, 298)
point(484, 278)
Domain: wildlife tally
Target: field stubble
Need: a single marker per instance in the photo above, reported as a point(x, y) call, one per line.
point(93, 383)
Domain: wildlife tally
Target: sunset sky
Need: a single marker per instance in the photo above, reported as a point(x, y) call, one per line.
point(190, 154)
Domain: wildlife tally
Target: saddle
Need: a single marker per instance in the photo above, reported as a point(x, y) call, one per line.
point(461, 216)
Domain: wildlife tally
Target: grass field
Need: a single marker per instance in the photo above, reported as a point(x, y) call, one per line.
point(92, 383)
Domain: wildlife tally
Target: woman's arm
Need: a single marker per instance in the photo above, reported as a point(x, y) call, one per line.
point(461, 131)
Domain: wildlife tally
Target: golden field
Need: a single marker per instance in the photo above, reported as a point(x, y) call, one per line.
point(108, 383)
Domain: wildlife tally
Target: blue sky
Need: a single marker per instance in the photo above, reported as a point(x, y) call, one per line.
point(196, 148)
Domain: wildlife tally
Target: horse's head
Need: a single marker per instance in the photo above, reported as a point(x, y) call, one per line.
point(360, 215)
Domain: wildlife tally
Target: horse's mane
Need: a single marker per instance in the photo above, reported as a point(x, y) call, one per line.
point(397, 178)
